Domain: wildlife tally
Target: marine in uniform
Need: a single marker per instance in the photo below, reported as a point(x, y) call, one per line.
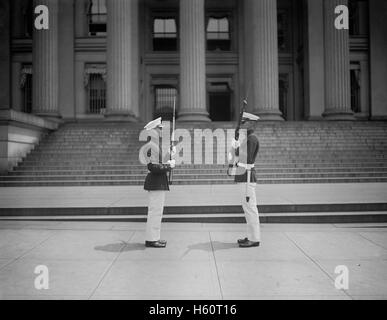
point(247, 182)
point(156, 184)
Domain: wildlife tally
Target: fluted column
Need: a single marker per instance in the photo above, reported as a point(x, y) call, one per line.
point(337, 66)
point(121, 60)
point(192, 61)
point(5, 54)
point(261, 35)
point(45, 84)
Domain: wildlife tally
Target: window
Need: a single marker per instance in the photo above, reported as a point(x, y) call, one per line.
point(284, 31)
point(26, 86)
point(27, 18)
point(95, 82)
point(164, 34)
point(283, 94)
point(165, 98)
point(97, 15)
point(358, 17)
point(355, 88)
point(218, 33)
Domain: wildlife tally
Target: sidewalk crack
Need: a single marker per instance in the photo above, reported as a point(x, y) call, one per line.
point(109, 268)
point(315, 263)
point(216, 266)
point(28, 251)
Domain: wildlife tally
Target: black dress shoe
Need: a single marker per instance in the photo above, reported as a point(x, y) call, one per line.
point(163, 241)
point(155, 244)
point(249, 244)
point(242, 240)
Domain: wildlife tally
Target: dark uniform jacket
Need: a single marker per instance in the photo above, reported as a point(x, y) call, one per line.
point(249, 154)
point(157, 179)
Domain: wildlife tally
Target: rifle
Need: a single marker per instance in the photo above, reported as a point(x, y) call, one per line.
point(232, 167)
point(172, 137)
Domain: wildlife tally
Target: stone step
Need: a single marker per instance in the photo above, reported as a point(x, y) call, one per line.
point(286, 134)
point(204, 214)
point(264, 139)
point(263, 154)
point(284, 168)
point(43, 171)
point(263, 148)
point(278, 163)
point(184, 182)
point(129, 160)
point(189, 176)
point(264, 151)
point(92, 153)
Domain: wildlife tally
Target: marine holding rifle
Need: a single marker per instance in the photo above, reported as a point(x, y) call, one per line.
point(157, 184)
point(243, 154)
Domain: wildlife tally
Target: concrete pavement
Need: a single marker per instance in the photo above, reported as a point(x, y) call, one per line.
point(107, 260)
point(182, 195)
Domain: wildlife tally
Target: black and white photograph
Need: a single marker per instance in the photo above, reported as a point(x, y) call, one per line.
point(211, 151)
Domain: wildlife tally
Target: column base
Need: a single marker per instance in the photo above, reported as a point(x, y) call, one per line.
point(118, 116)
point(193, 116)
point(269, 115)
point(333, 115)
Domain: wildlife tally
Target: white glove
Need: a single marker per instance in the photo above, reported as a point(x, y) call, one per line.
point(235, 144)
point(172, 163)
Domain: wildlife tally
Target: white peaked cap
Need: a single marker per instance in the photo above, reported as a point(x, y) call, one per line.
point(250, 116)
point(154, 124)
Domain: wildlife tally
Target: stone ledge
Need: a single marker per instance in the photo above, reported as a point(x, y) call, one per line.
point(19, 134)
point(27, 119)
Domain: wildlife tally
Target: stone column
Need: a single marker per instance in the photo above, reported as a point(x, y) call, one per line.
point(45, 83)
point(262, 36)
point(192, 62)
point(135, 58)
point(5, 54)
point(66, 59)
point(121, 61)
point(337, 66)
point(378, 59)
point(314, 61)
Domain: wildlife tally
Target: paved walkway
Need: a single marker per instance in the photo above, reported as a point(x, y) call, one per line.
point(106, 260)
point(207, 195)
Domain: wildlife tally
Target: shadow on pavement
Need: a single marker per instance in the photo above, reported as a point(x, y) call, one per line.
point(210, 246)
point(121, 247)
point(205, 246)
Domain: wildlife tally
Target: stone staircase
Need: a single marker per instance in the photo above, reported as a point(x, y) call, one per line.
point(81, 154)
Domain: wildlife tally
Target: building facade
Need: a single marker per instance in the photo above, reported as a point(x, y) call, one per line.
point(133, 59)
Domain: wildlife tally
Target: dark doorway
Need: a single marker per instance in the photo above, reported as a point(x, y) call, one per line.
point(220, 106)
point(219, 100)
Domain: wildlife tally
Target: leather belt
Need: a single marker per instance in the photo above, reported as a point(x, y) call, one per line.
point(246, 166)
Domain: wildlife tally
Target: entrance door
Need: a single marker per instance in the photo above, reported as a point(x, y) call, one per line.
point(220, 106)
point(219, 100)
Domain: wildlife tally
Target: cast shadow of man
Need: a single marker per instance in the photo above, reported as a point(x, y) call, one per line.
point(122, 246)
point(212, 246)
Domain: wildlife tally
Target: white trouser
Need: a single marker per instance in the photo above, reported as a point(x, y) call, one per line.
point(155, 215)
point(251, 210)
